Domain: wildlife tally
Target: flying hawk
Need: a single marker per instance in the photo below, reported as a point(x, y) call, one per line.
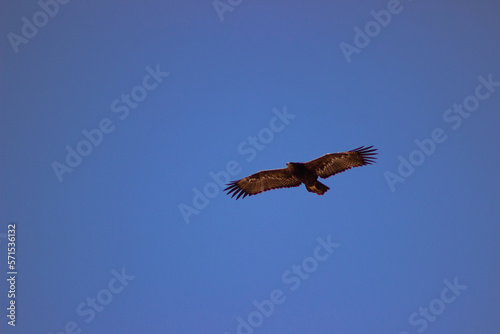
point(297, 173)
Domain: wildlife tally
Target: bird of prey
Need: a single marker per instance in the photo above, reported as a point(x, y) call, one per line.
point(297, 173)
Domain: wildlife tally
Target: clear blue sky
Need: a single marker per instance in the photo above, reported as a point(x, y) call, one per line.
point(116, 116)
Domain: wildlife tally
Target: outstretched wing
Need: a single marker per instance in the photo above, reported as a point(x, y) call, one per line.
point(334, 163)
point(262, 181)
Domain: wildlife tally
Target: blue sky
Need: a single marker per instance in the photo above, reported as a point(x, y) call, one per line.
point(115, 116)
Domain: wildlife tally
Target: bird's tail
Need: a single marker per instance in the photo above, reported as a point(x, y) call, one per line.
point(318, 188)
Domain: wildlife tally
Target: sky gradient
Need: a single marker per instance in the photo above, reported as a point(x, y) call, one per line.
point(121, 121)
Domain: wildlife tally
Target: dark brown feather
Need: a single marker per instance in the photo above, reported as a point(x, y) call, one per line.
point(262, 181)
point(334, 163)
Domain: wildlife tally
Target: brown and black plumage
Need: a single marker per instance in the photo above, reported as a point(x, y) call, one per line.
point(297, 173)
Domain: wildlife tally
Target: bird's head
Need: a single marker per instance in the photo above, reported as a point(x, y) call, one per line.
point(292, 165)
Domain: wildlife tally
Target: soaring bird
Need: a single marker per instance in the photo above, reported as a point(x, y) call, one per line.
point(297, 173)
